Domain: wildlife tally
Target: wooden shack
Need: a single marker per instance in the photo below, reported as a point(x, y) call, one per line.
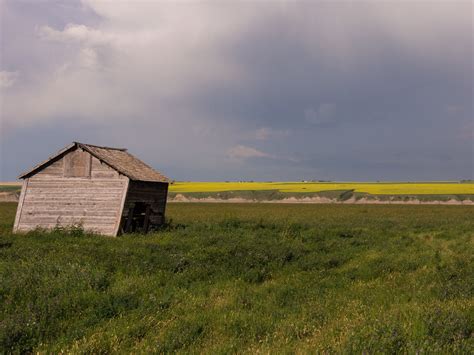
point(102, 189)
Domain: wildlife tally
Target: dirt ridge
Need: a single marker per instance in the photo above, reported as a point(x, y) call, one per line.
point(316, 199)
point(180, 198)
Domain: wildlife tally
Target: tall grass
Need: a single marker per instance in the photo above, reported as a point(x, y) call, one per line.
point(246, 278)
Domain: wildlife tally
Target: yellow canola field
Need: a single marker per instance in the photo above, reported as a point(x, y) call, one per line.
point(375, 188)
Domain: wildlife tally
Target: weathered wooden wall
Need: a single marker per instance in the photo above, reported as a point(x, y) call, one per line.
point(54, 196)
point(152, 193)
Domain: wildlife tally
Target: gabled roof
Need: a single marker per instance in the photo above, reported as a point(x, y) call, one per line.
point(117, 158)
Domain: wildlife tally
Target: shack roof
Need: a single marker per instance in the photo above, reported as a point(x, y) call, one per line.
point(117, 158)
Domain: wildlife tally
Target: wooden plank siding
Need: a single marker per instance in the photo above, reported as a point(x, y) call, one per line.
point(94, 204)
point(20, 205)
point(92, 187)
point(53, 170)
point(101, 170)
point(118, 217)
point(53, 198)
point(77, 164)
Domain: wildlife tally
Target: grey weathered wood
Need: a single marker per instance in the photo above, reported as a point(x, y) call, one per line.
point(77, 164)
point(163, 202)
point(75, 182)
point(122, 205)
point(128, 225)
point(104, 174)
point(91, 186)
point(101, 170)
point(67, 201)
point(47, 162)
point(20, 205)
point(71, 213)
point(146, 223)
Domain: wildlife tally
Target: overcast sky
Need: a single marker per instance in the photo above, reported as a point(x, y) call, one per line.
point(227, 90)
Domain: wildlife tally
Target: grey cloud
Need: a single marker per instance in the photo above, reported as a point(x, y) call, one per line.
point(7, 78)
point(245, 152)
point(265, 133)
point(325, 114)
point(340, 90)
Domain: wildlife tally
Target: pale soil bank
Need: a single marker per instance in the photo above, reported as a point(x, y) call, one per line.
point(361, 201)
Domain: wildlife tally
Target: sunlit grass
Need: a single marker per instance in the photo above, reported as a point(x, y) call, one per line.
point(246, 278)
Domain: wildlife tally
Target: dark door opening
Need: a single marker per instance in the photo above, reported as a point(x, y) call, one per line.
point(138, 218)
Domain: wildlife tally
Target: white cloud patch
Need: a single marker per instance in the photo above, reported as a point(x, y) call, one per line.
point(74, 33)
point(150, 53)
point(7, 79)
point(135, 63)
point(266, 133)
point(88, 58)
point(245, 152)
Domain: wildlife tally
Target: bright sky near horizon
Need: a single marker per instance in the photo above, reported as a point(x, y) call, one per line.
point(227, 90)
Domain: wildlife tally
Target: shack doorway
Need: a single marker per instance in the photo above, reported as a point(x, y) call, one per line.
point(138, 218)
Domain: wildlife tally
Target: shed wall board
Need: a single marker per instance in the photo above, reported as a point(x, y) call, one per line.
point(77, 164)
point(54, 170)
point(118, 217)
point(20, 205)
point(51, 198)
point(76, 188)
point(58, 168)
point(100, 170)
point(94, 204)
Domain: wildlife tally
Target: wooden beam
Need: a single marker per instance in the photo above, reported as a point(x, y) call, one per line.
point(20, 205)
point(146, 222)
point(122, 204)
point(129, 219)
point(164, 204)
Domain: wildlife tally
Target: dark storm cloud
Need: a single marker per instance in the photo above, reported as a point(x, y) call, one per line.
point(395, 111)
point(314, 90)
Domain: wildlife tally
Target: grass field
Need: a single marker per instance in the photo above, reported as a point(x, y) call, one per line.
point(248, 278)
point(10, 187)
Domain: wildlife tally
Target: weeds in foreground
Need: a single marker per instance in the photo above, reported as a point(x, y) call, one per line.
point(246, 278)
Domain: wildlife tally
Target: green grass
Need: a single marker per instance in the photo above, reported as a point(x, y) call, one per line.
point(10, 188)
point(246, 278)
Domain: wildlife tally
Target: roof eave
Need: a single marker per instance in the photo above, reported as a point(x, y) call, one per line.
point(94, 154)
point(144, 180)
point(37, 167)
point(83, 146)
point(116, 168)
